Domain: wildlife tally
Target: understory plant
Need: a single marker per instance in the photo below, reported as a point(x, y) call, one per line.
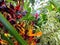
point(27, 25)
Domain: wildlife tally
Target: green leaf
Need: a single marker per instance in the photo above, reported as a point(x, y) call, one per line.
point(12, 30)
point(56, 3)
point(29, 10)
point(32, 1)
point(8, 0)
point(50, 7)
point(42, 20)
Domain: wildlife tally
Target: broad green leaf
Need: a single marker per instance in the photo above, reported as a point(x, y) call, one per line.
point(12, 30)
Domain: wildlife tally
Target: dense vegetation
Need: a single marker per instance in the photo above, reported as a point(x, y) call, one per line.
point(24, 22)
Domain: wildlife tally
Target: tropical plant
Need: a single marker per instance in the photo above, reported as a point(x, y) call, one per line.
point(29, 25)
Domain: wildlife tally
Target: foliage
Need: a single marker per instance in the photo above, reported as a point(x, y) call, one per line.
point(11, 29)
point(48, 21)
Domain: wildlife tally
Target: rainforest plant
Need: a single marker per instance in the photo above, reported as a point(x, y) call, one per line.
point(22, 24)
